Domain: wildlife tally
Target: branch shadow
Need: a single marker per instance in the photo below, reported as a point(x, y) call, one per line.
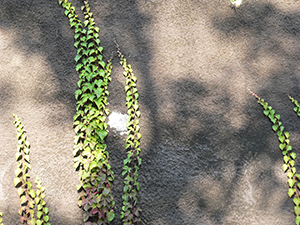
point(197, 164)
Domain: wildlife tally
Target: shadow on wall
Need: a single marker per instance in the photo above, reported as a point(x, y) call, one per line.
point(198, 167)
point(203, 169)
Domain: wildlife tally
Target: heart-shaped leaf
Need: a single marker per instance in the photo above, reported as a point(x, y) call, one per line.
point(293, 155)
point(297, 220)
point(296, 201)
point(291, 192)
point(281, 139)
point(282, 146)
point(275, 127)
point(286, 158)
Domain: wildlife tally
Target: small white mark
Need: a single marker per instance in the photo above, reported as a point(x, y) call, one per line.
point(236, 3)
point(118, 121)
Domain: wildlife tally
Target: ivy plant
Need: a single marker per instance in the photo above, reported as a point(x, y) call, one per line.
point(289, 155)
point(28, 196)
point(90, 151)
point(130, 212)
point(42, 210)
point(1, 215)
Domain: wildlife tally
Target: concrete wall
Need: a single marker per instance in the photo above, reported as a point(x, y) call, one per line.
point(209, 154)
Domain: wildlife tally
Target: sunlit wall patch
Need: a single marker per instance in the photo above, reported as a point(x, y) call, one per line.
point(118, 121)
point(236, 3)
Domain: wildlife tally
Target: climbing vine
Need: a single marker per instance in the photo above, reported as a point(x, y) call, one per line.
point(130, 212)
point(90, 151)
point(28, 197)
point(288, 155)
point(1, 215)
point(42, 210)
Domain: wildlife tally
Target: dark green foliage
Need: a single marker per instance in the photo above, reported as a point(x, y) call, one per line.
point(28, 197)
point(288, 155)
point(130, 212)
point(90, 151)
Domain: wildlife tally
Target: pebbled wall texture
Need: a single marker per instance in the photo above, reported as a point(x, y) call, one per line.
point(209, 154)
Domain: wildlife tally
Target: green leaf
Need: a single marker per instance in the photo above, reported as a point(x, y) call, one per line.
point(77, 93)
point(287, 141)
point(273, 119)
point(293, 155)
point(92, 51)
point(139, 161)
point(20, 191)
point(282, 146)
point(102, 134)
point(291, 182)
point(78, 67)
point(93, 165)
point(296, 201)
point(286, 158)
point(46, 218)
point(27, 158)
point(46, 210)
point(285, 167)
point(110, 216)
point(297, 220)
point(139, 136)
point(18, 172)
point(281, 139)
point(76, 44)
point(39, 222)
point(31, 222)
point(297, 210)
point(266, 112)
point(127, 160)
point(102, 63)
point(30, 204)
point(86, 22)
point(275, 127)
point(23, 199)
point(31, 192)
point(289, 148)
point(18, 156)
point(17, 182)
point(67, 12)
point(39, 214)
point(291, 192)
point(298, 176)
point(292, 163)
point(77, 57)
point(286, 134)
point(277, 116)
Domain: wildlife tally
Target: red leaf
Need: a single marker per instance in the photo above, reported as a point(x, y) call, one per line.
point(95, 210)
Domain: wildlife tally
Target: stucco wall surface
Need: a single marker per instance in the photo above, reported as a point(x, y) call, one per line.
point(209, 154)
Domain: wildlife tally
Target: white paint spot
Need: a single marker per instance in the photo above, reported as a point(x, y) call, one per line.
point(236, 3)
point(118, 121)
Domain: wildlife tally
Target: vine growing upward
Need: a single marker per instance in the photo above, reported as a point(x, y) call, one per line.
point(288, 155)
point(28, 197)
point(90, 151)
point(130, 212)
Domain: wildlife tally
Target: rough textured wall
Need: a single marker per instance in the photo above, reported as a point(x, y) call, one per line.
point(209, 155)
